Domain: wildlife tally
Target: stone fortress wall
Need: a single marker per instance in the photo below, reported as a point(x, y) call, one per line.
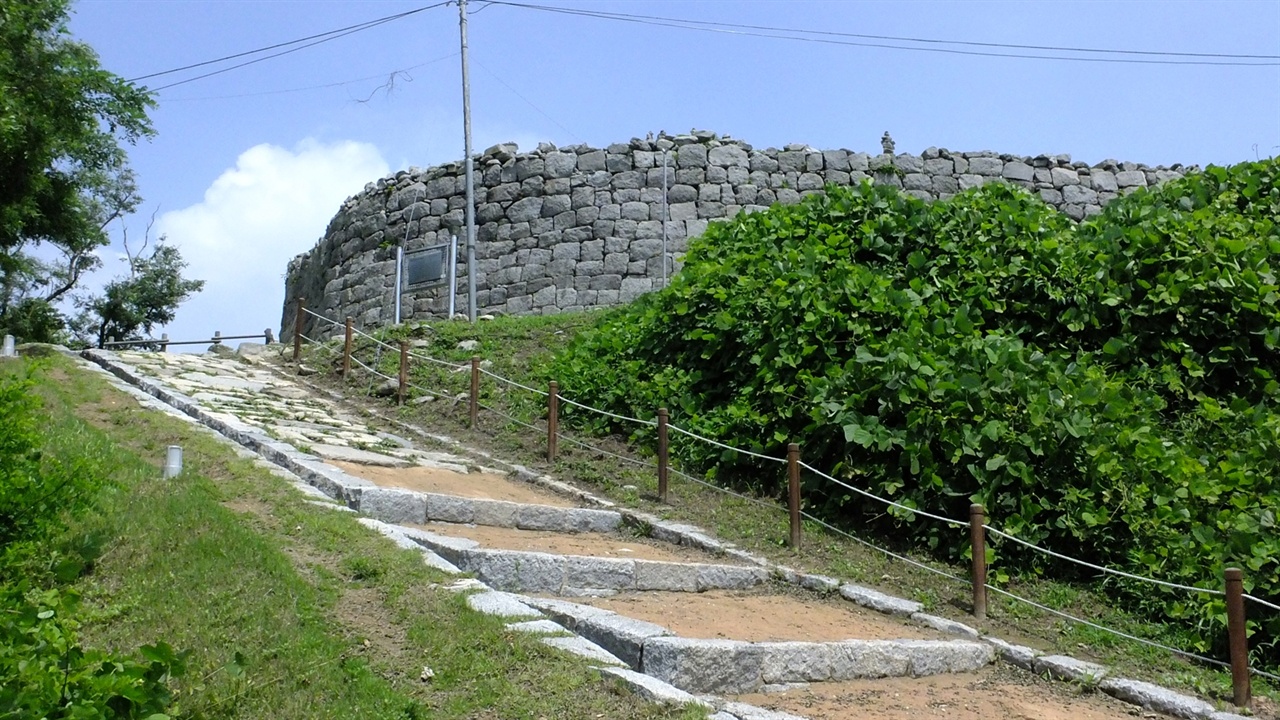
point(566, 229)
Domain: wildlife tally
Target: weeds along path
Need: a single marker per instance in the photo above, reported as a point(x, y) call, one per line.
point(663, 608)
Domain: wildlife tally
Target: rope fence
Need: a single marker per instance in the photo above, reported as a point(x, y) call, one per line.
point(877, 498)
point(979, 528)
point(1101, 568)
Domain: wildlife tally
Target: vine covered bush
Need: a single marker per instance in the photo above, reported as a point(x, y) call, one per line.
point(1107, 390)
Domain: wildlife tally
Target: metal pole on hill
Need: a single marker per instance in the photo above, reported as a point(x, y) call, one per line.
point(469, 164)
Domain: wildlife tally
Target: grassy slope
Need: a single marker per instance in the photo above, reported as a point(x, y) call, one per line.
point(520, 347)
point(289, 610)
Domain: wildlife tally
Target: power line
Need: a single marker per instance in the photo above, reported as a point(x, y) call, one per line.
point(340, 83)
point(828, 38)
point(318, 39)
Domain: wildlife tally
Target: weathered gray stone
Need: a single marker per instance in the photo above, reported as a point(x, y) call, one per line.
point(944, 625)
point(1061, 667)
point(591, 520)
point(538, 627)
point(669, 576)
point(560, 164)
point(1159, 699)
point(500, 603)
point(987, 166)
point(879, 601)
point(583, 648)
point(704, 666)
point(651, 689)
point(625, 637)
point(357, 456)
point(729, 577)
point(393, 505)
point(1016, 170)
point(691, 156)
point(743, 711)
point(498, 513)
point(591, 573)
point(1131, 178)
point(590, 162)
point(791, 662)
point(1077, 194)
point(525, 209)
point(1020, 655)
point(728, 156)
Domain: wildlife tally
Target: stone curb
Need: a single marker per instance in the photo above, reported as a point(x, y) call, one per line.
point(583, 575)
point(401, 506)
point(733, 666)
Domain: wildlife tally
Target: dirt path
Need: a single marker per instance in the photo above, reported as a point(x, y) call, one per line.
point(446, 482)
point(595, 544)
point(760, 617)
point(1001, 693)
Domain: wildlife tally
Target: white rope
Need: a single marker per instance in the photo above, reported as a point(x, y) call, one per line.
point(864, 493)
point(891, 554)
point(356, 360)
point(727, 491)
point(509, 381)
point(435, 393)
point(499, 413)
point(1262, 602)
point(1104, 628)
point(1100, 568)
point(436, 360)
point(695, 436)
point(322, 346)
point(318, 315)
point(602, 451)
point(627, 418)
point(376, 340)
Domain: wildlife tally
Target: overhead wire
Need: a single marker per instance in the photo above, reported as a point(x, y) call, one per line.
point(340, 83)
point(831, 38)
point(310, 41)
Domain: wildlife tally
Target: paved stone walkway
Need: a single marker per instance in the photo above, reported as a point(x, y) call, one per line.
point(246, 398)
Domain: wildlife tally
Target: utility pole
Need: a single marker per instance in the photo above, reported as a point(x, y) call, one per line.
point(469, 164)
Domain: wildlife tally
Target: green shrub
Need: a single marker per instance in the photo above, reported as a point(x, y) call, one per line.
point(34, 489)
point(1106, 390)
point(47, 672)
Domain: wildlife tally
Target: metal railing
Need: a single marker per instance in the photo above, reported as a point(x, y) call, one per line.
point(163, 342)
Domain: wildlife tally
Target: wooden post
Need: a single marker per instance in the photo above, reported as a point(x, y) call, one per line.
point(553, 419)
point(978, 546)
point(346, 352)
point(663, 448)
point(1237, 639)
point(297, 329)
point(404, 372)
point(793, 492)
point(475, 390)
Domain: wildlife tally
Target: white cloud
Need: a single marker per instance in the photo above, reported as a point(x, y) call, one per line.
point(274, 204)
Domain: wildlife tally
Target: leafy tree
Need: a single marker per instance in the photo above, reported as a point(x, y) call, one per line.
point(130, 307)
point(64, 175)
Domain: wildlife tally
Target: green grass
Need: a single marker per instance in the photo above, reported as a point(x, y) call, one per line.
point(520, 347)
point(288, 610)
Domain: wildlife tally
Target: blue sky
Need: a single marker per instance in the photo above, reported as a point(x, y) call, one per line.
point(248, 166)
